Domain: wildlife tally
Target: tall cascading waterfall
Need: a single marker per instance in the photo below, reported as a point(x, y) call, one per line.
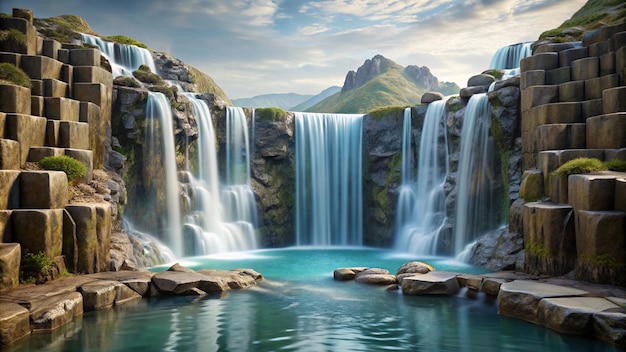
point(124, 59)
point(508, 58)
point(224, 217)
point(421, 202)
point(159, 136)
point(329, 195)
point(479, 190)
point(238, 196)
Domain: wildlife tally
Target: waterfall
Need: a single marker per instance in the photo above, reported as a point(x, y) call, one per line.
point(509, 57)
point(421, 202)
point(478, 199)
point(329, 196)
point(124, 59)
point(221, 220)
point(159, 128)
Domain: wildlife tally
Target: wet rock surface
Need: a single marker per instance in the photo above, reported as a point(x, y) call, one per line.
point(57, 303)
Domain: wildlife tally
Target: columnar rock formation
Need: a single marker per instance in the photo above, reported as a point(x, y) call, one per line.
point(573, 106)
point(65, 112)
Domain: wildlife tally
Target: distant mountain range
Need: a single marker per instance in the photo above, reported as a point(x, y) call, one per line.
point(378, 82)
point(287, 101)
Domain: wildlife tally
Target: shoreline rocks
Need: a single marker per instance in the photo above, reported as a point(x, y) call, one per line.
point(58, 302)
point(559, 304)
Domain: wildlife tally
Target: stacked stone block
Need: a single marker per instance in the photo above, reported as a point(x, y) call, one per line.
point(574, 105)
point(65, 112)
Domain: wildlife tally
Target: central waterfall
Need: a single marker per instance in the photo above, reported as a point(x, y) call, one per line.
point(124, 59)
point(329, 195)
point(421, 201)
point(509, 57)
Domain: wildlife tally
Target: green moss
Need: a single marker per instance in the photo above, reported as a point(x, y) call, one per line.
point(536, 249)
point(495, 73)
point(379, 113)
point(73, 168)
point(580, 166)
point(14, 75)
point(33, 265)
point(126, 81)
point(122, 39)
point(145, 75)
point(616, 165)
point(269, 114)
point(505, 154)
point(454, 104)
point(603, 260)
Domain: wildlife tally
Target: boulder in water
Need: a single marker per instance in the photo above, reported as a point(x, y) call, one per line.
point(432, 283)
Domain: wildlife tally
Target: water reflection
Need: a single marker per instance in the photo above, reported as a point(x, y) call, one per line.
point(300, 308)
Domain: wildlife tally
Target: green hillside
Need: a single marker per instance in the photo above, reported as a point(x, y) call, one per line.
point(390, 88)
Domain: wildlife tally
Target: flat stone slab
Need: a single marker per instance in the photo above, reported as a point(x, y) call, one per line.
point(520, 298)
point(432, 283)
point(572, 315)
point(14, 323)
point(236, 279)
point(138, 281)
point(52, 312)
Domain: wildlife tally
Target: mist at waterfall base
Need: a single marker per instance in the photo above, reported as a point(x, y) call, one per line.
point(299, 307)
point(219, 217)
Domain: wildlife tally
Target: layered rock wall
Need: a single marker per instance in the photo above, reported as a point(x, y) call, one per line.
point(573, 106)
point(65, 112)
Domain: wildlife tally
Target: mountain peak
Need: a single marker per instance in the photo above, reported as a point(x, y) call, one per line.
point(370, 69)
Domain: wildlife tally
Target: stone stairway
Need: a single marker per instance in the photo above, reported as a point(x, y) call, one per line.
point(574, 105)
point(65, 112)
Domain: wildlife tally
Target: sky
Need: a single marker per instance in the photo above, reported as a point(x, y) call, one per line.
point(254, 47)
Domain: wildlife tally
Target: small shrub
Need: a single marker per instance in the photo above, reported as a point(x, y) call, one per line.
point(616, 165)
point(268, 114)
point(73, 168)
point(580, 166)
point(13, 74)
point(34, 266)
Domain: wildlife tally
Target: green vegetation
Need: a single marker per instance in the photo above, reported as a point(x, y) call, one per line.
point(206, 84)
point(13, 35)
point(580, 166)
point(122, 39)
point(73, 168)
point(538, 250)
point(616, 165)
point(381, 112)
point(145, 75)
point(126, 81)
point(495, 73)
point(73, 22)
point(269, 114)
point(14, 75)
point(33, 265)
point(390, 88)
point(594, 14)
